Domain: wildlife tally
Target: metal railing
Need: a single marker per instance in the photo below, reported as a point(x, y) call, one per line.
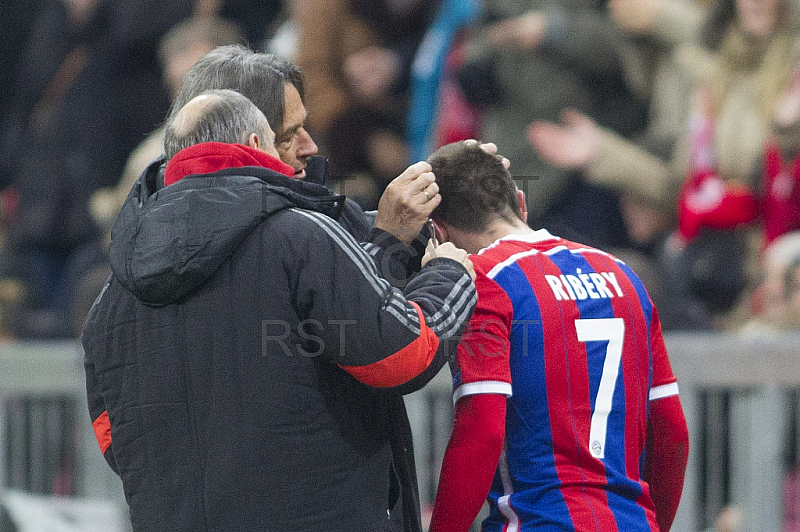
point(46, 440)
point(740, 396)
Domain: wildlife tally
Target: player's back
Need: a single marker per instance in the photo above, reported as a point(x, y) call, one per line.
point(582, 345)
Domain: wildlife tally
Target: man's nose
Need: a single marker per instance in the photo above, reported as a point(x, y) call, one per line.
point(306, 145)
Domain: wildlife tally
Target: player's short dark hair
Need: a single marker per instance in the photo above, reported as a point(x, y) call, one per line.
point(261, 77)
point(476, 188)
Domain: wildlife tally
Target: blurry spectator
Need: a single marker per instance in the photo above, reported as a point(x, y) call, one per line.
point(749, 55)
point(433, 114)
point(605, 158)
point(767, 303)
point(16, 21)
point(87, 90)
point(781, 184)
point(254, 17)
point(356, 56)
point(757, 55)
point(530, 60)
point(282, 39)
point(178, 50)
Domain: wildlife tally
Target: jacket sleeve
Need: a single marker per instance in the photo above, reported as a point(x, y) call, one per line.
point(386, 338)
point(98, 414)
point(397, 262)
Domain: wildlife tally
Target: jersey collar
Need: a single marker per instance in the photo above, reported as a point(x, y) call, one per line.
point(540, 235)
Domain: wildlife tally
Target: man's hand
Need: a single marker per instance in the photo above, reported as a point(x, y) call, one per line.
point(408, 201)
point(491, 149)
point(525, 32)
point(448, 251)
point(571, 144)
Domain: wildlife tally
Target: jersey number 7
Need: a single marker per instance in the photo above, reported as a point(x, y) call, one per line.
point(611, 330)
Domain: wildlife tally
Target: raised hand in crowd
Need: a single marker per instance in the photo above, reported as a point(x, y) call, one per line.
point(524, 32)
point(570, 144)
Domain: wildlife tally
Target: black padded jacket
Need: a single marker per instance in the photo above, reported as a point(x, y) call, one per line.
point(244, 360)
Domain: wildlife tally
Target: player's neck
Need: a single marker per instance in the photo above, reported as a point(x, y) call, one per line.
point(502, 228)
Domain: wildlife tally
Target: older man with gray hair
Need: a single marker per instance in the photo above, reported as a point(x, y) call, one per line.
point(221, 115)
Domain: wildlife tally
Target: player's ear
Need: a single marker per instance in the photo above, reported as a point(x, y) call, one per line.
point(442, 230)
point(523, 207)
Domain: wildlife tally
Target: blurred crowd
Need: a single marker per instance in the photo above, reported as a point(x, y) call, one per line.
point(666, 131)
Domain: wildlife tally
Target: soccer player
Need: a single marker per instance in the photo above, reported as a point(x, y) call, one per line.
point(566, 408)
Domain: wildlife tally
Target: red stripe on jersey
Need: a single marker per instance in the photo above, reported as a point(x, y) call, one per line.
point(568, 397)
point(102, 431)
point(402, 366)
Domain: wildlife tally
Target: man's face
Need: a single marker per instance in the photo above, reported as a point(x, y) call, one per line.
point(294, 144)
point(268, 144)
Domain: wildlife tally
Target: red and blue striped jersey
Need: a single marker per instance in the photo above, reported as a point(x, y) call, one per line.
point(569, 333)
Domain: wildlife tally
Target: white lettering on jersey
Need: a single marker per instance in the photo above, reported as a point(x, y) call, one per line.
point(613, 280)
point(567, 286)
point(588, 284)
point(577, 287)
point(583, 286)
point(600, 284)
point(555, 284)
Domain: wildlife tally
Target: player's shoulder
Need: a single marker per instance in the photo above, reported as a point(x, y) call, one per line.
point(510, 249)
point(581, 248)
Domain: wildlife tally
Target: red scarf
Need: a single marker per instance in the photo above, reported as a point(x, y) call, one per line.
point(706, 200)
point(210, 157)
point(781, 202)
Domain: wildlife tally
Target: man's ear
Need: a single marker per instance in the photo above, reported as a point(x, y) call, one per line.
point(253, 141)
point(523, 207)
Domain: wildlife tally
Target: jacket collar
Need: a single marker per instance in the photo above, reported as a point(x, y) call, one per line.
point(210, 157)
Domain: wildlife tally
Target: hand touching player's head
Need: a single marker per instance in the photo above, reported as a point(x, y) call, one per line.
point(476, 188)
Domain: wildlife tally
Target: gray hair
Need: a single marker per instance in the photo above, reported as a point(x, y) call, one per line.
point(259, 76)
point(226, 116)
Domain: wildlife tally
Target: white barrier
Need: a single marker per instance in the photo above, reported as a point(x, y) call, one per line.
point(38, 375)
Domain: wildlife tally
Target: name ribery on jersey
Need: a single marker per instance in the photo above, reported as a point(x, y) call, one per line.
point(584, 285)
